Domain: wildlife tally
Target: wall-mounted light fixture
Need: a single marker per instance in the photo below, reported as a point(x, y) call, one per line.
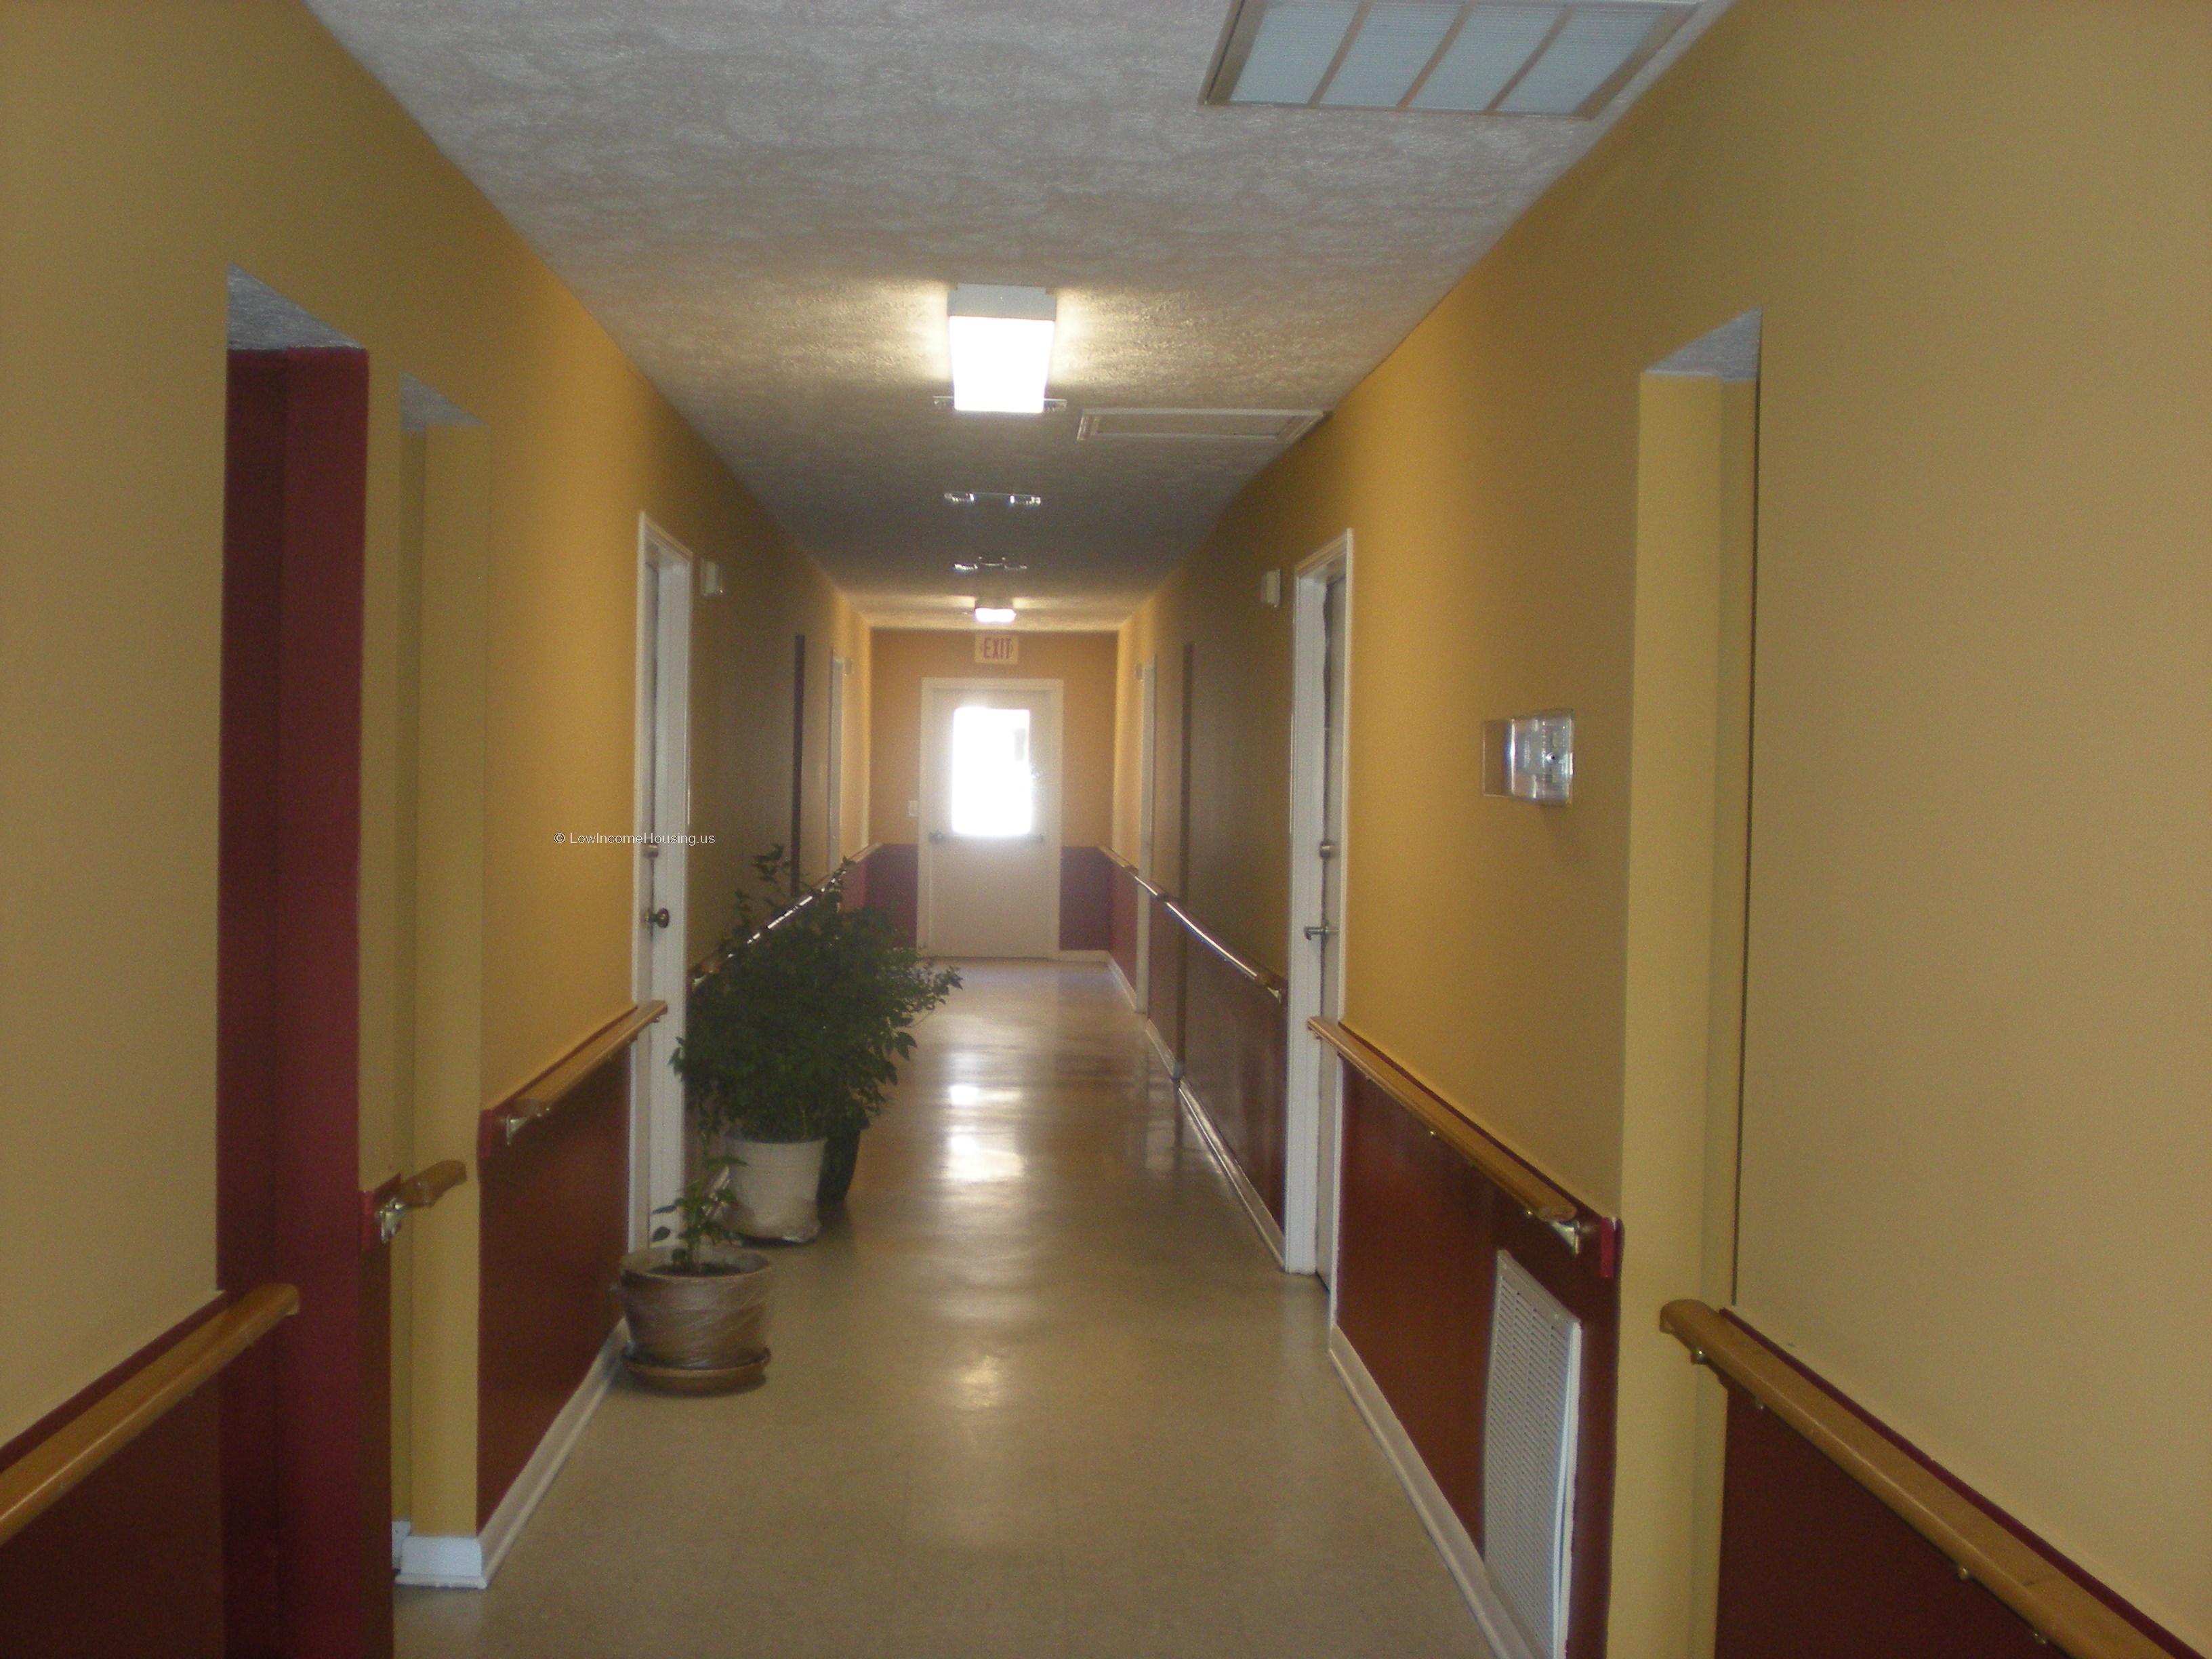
point(995, 616)
point(1531, 758)
point(1001, 342)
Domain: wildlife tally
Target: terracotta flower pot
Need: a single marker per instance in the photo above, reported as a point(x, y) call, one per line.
point(703, 1332)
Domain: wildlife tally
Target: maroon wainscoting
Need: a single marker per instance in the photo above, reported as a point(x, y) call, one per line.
point(1167, 944)
point(555, 1224)
point(130, 1564)
point(1122, 922)
point(1418, 1232)
point(1235, 1054)
point(1814, 1566)
point(1086, 899)
point(305, 1447)
point(893, 886)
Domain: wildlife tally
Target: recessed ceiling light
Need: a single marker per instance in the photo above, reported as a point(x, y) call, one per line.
point(993, 616)
point(1001, 341)
point(1465, 56)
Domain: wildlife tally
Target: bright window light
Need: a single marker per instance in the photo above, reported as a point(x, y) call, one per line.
point(993, 790)
point(995, 616)
point(1001, 341)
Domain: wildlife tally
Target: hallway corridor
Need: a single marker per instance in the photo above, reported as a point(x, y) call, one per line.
point(1040, 1391)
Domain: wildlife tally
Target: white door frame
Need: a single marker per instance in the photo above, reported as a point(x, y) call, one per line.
point(1314, 1085)
point(1148, 710)
point(833, 818)
point(659, 965)
point(1055, 694)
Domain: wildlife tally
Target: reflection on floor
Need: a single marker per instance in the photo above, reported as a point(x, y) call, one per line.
point(1040, 1392)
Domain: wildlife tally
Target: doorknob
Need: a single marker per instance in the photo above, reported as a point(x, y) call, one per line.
point(418, 1191)
point(657, 918)
point(936, 835)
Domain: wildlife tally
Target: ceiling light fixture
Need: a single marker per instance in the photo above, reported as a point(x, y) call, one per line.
point(1480, 57)
point(995, 616)
point(1000, 566)
point(1001, 342)
point(971, 497)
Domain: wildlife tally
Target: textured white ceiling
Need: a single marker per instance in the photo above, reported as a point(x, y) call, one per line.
point(765, 201)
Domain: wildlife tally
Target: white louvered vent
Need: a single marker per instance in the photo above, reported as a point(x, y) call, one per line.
point(1462, 56)
point(1528, 1433)
point(1266, 426)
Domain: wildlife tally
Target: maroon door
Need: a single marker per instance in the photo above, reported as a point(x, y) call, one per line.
point(306, 1424)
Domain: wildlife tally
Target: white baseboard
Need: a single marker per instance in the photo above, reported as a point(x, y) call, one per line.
point(464, 1563)
point(1122, 980)
point(1255, 1206)
point(400, 1531)
point(1429, 1502)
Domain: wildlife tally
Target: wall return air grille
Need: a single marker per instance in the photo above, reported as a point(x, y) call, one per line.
point(1530, 1425)
point(1484, 57)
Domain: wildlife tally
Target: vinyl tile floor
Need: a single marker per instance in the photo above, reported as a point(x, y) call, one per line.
point(1038, 1390)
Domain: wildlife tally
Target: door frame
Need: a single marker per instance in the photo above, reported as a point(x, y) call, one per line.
point(1314, 1089)
point(1056, 691)
point(833, 816)
point(1148, 759)
point(660, 963)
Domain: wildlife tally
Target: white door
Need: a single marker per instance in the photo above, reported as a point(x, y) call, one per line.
point(990, 817)
point(1328, 934)
point(663, 816)
point(1321, 680)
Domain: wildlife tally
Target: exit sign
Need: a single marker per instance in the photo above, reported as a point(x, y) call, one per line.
point(998, 648)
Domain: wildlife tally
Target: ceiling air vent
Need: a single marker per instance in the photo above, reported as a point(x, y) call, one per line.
point(1486, 56)
point(1263, 426)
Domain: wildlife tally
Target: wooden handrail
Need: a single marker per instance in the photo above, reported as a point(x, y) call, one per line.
point(1268, 980)
point(710, 964)
point(42, 1476)
point(2055, 1604)
point(538, 1096)
point(1272, 983)
point(1541, 1200)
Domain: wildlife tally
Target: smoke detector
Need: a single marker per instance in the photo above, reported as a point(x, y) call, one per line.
point(1482, 57)
point(1265, 426)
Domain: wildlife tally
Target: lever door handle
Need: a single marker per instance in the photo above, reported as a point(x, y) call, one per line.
point(1321, 930)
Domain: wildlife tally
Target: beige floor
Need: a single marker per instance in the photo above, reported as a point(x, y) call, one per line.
point(1040, 1391)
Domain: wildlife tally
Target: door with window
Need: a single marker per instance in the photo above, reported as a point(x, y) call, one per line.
point(990, 817)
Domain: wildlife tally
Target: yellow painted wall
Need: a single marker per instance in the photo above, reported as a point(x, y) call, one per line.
point(144, 148)
point(1083, 663)
point(1981, 895)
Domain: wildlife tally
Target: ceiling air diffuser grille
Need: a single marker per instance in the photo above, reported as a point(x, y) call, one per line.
point(1458, 57)
point(1265, 426)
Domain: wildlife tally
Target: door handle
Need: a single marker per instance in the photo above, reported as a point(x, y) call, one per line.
point(418, 1191)
point(935, 837)
point(1321, 930)
point(657, 918)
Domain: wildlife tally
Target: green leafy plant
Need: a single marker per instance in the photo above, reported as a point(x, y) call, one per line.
point(698, 1226)
point(801, 1031)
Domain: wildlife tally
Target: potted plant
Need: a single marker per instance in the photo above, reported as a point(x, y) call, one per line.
point(697, 1309)
point(792, 1043)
